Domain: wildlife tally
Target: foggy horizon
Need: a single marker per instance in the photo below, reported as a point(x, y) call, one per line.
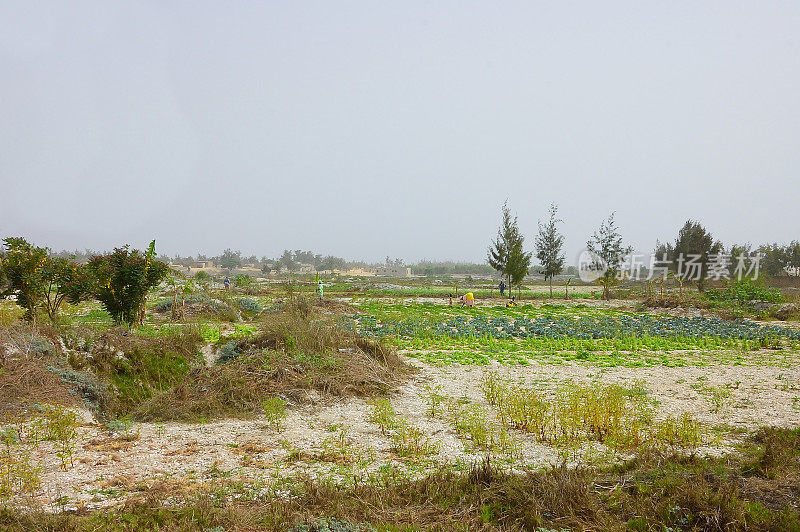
point(362, 130)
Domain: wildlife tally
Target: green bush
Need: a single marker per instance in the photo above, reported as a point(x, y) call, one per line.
point(229, 351)
point(745, 291)
point(242, 281)
point(122, 280)
point(145, 370)
point(202, 277)
point(274, 411)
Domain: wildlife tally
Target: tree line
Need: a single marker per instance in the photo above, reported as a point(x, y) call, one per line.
point(507, 254)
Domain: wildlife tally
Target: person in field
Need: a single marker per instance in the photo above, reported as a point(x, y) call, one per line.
point(502, 288)
point(468, 300)
point(227, 282)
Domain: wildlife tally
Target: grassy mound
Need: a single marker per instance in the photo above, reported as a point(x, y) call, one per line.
point(295, 354)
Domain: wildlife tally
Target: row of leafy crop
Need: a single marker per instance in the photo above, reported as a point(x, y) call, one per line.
point(399, 311)
point(578, 327)
point(478, 355)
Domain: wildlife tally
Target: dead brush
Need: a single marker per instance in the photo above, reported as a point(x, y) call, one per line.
point(24, 378)
point(295, 354)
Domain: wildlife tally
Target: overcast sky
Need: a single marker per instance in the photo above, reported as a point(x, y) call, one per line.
point(366, 129)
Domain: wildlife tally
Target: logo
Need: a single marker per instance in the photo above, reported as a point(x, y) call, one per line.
point(591, 266)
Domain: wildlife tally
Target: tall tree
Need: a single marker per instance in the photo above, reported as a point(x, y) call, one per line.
point(606, 244)
point(507, 253)
point(774, 259)
point(694, 242)
point(793, 256)
point(549, 243)
point(230, 259)
point(286, 260)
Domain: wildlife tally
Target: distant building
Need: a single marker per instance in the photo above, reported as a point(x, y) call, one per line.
point(203, 264)
point(393, 271)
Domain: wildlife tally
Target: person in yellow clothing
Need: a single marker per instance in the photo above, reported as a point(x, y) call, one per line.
point(468, 299)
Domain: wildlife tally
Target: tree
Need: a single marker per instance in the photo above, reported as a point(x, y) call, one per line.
point(694, 242)
point(230, 259)
point(793, 256)
point(606, 245)
point(744, 251)
point(332, 263)
point(774, 259)
point(507, 254)
point(287, 261)
point(689, 257)
point(39, 280)
point(122, 279)
point(63, 280)
point(549, 243)
point(23, 271)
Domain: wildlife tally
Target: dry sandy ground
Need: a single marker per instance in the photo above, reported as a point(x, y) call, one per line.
point(107, 468)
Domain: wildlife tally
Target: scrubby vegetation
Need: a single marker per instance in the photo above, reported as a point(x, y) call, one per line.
point(679, 493)
point(267, 357)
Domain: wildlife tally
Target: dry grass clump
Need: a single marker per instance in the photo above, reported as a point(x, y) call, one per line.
point(618, 417)
point(296, 354)
point(24, 378)
point(26, 382)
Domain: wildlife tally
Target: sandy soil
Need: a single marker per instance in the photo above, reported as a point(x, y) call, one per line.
point(107, 467)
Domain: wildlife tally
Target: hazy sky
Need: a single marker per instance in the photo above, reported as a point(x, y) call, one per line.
point(367, 129)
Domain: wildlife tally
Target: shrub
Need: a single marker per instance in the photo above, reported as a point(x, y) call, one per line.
point(148, 366)
point(242, 281)
point(122, 279)
point(249, 305)
point(382, 414)
point(18, 474)
point(409, 441)
point(120, 425)
point(274, 411)
point(202, 277)
point(61, 427)
point(229, 352)
point(745, 291)
point(92, 391)
point(290, 355)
